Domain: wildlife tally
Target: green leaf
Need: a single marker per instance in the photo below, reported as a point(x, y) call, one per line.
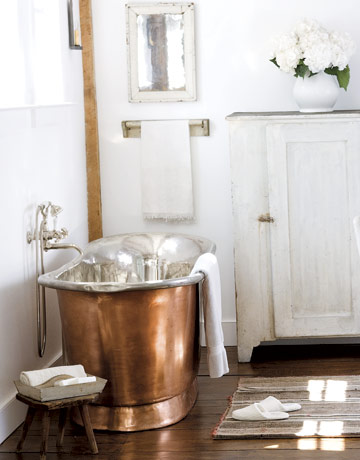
point(332, 70)
point(343, 76)
point(273, 60)
point(301, 69)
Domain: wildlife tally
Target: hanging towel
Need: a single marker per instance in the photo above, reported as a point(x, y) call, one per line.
point(214, 338)
point(356, 223)
point(34, 378)
point(166, 170)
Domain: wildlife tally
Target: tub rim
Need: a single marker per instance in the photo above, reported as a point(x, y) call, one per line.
point(51, 280)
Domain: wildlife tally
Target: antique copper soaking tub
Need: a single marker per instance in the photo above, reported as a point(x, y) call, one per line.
point(129, 309)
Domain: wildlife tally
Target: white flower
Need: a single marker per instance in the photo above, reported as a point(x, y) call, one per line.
point(306, 27)
point(286, 51)
point(318, 48)
point(343, 47)
point(318, 57)
point(288, 59)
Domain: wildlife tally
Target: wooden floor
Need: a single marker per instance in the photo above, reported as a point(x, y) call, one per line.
point(190, 439)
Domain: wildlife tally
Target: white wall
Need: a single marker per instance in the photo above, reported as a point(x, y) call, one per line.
point(42, 157)
point(233, 74)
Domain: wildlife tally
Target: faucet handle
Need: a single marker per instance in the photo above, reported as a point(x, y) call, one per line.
point(56, 235)
point(55, 210)
point(64, 232)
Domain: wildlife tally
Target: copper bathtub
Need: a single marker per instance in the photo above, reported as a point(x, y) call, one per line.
point(129, 309)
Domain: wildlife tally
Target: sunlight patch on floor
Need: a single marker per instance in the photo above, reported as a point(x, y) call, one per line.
point(324, 390)
point(307, 444)
point(309, 428)
point(329, 390)
point(331, 428)
point(335, 444)
point(325, 428)
point(335, 390)
point(329, 444)
point(315, 389)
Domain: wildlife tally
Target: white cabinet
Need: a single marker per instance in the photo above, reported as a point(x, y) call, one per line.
point(296, 190)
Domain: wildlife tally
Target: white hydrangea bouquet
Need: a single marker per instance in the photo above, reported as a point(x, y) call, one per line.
point(310, 49)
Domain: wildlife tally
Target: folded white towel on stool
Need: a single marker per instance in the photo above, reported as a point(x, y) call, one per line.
point(74, 381)
point(34, 378)
point(211, 291)
point(166, 177)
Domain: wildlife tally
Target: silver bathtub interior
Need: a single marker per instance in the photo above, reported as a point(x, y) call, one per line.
point(132, 261)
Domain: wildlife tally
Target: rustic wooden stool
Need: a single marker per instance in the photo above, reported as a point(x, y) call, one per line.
point(62, 405)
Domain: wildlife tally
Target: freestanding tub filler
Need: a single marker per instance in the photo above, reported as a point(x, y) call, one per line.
point(129, 309)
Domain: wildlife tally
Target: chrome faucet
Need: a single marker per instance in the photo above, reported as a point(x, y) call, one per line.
point(45, 240)
point(50, 239)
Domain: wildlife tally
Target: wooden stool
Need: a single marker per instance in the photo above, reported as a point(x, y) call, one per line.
point(62, 405)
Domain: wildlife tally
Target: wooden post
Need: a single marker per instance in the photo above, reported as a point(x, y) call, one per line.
point(91, 123)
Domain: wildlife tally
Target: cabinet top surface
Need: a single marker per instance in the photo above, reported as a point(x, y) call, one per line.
point(287, 115)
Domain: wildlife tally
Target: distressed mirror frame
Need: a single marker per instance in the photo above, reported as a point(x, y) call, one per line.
point(133, 10)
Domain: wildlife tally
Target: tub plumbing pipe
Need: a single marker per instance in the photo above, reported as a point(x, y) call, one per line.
point(45, 240)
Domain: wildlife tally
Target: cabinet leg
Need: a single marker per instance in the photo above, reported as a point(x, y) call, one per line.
point(244, 353)
point(84, 411)
point(29, 418)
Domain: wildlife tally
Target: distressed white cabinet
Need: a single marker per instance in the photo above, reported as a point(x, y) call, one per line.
point(296, 190)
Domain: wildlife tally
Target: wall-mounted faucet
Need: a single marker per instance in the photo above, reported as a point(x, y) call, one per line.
point(50, 238)
point(45, 240)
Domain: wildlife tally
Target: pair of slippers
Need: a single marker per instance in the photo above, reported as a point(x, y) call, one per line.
point(269, 408)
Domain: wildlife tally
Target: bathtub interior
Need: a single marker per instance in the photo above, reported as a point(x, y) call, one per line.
point(136, 258)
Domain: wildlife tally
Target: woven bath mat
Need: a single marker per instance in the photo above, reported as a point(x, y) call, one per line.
point(330, 408)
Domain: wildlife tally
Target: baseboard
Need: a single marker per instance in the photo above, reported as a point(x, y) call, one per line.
point(229, 330)
point(12, 411)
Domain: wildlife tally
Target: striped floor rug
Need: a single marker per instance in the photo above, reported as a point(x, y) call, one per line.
point(330, 408)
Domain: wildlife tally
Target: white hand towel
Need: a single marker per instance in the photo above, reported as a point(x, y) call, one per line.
point(356, 223)
point(34, 378)
point(214, 338)
point(166, 170)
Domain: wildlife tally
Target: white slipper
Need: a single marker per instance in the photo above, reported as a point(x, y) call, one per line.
point(257, 412)
point(271, 404)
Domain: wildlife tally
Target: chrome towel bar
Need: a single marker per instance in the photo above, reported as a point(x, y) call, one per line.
point(201, 127)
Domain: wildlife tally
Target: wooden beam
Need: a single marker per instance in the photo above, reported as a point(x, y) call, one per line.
point(91, 124)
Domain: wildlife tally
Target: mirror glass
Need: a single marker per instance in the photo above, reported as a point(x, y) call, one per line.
point(161, 52)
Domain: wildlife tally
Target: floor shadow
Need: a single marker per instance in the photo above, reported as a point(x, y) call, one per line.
point(264, 353)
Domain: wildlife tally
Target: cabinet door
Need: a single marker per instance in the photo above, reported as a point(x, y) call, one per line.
point(314, 194)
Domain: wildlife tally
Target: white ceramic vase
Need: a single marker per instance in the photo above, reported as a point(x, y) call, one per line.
point(317, 93)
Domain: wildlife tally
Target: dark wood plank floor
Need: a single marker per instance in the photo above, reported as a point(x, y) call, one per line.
point(191, 439)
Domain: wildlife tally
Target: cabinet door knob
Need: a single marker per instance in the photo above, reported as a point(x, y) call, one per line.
point(266, 218)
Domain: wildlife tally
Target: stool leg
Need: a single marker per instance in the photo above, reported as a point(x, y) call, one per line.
point(62, 421)
point(29, 418)
point(84, 411)
point(44, 434)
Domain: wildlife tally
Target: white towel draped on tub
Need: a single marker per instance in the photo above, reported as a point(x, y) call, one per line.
point(214, 338)
point(166, 170)
point(356, 223)
point(34, 378)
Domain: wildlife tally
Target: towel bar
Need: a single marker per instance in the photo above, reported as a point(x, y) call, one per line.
point(132, 128)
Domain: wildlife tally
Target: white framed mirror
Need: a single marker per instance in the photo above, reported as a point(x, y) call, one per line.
point(161, 52)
